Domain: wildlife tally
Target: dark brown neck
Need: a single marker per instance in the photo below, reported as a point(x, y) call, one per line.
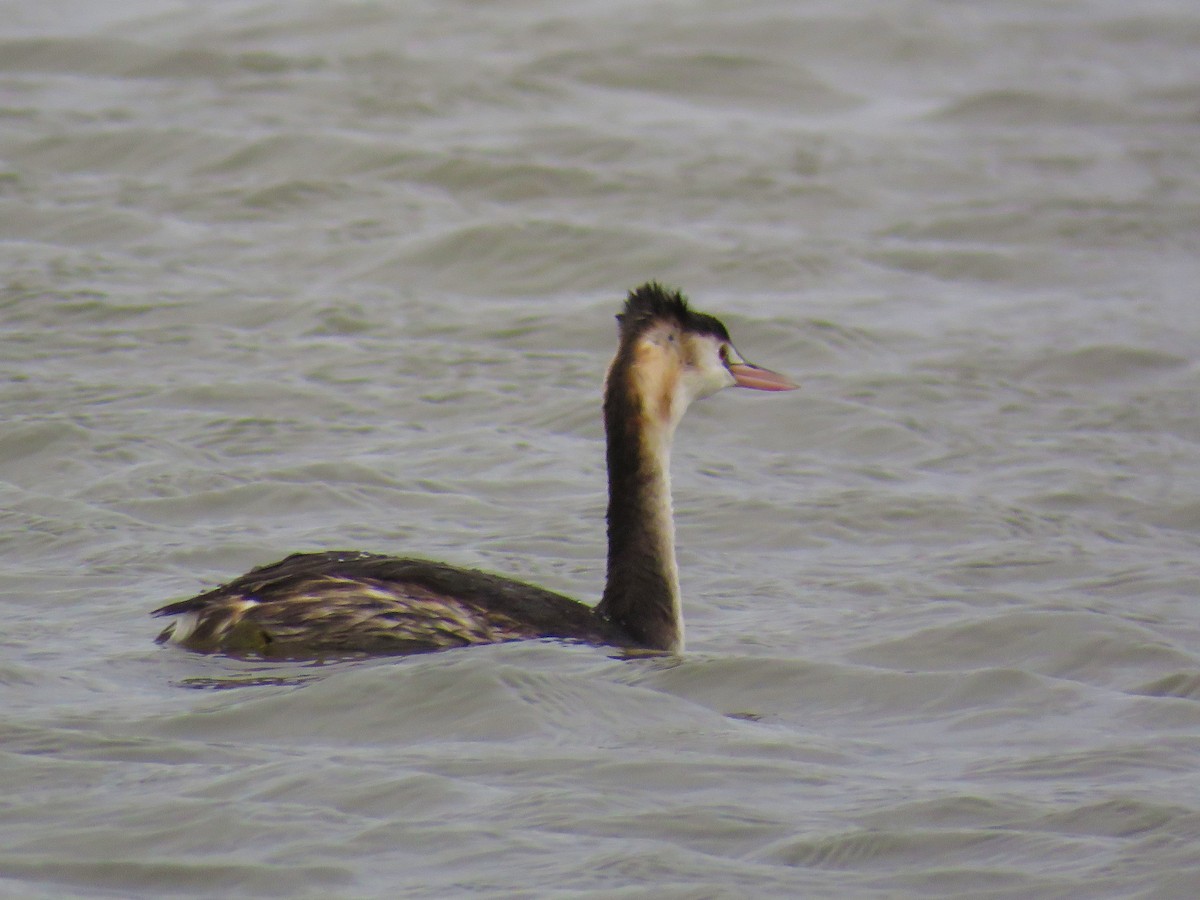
point(641, 595)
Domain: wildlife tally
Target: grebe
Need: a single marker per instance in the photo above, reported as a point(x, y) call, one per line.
point(314, 604)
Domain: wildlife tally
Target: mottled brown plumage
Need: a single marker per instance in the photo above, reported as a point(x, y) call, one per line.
point(346, 602)
point(350, 602)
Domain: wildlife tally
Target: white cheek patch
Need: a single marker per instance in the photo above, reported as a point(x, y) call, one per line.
point(673, 371)
point(708, 374)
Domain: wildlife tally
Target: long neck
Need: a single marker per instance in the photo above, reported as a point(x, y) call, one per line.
point(641, 594)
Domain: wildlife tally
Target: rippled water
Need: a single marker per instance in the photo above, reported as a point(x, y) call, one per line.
point(284, 276)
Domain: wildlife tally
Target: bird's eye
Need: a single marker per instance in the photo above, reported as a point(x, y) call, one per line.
point(725, 354)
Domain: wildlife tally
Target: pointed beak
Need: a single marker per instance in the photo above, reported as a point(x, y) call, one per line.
point(759, 379)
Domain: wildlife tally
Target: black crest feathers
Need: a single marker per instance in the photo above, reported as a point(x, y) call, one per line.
point(652, 303)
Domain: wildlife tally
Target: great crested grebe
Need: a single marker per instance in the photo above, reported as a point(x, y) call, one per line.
point(346, 602)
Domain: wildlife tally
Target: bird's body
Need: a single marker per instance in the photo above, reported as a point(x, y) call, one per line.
point(336, 603)
point(349, 602)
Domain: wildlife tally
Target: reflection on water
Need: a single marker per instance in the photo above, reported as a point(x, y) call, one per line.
point(312, 276)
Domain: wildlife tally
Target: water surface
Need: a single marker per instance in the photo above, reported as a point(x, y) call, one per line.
point(310, 275)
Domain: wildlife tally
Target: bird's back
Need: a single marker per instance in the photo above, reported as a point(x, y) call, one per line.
point(346, 602)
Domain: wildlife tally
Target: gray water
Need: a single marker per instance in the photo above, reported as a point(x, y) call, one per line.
point(283, 276)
